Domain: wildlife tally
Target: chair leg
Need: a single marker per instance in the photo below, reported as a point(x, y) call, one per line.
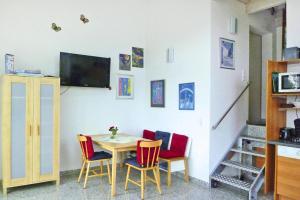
point(145, 177)
point(81, 171)
point(87, 174)
point(142, 184)
point(186, 171)
point(169, 174)
point(157, 180)
point(108, 172)
point(158, 174)
point(101, 167)
point(127, 177)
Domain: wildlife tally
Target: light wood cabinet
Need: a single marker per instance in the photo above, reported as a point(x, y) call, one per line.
point(287, 174)
point(30, 130)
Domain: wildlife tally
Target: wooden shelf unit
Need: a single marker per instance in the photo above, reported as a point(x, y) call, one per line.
point(284, 95)
point(275, 118)
point(289, 62)
point(288, 109)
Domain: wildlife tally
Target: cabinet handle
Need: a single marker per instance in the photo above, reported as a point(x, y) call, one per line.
point(38, 130)
point(30, 130)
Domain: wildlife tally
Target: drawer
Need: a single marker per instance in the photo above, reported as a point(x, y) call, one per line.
point(289, 152)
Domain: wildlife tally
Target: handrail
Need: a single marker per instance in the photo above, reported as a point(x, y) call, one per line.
point(229, 109)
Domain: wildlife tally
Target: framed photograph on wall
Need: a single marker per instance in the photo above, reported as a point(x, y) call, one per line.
point(227, 54)
point(137, 57)
point(124, 62)
point(158, 93)
point(125, 86)
point(187, 96)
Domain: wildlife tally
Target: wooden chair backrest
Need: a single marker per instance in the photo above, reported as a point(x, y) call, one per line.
point(83, 145)
point(151, 147)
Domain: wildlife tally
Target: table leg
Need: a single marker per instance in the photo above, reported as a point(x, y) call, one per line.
point(114, 172)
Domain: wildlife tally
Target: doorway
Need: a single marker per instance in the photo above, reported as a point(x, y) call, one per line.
point(255, 78)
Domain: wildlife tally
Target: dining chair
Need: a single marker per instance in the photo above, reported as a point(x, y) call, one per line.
point(165, 137)
point(150, 135)
point(176, 158)
point(146, 160)
point(89, 157)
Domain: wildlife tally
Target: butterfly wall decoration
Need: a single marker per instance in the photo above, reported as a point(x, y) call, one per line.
point(55, 27)
point(84, 19)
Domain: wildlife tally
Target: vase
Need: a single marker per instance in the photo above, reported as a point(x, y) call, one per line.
point(113, 134)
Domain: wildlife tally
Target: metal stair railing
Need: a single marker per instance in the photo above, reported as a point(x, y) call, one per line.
point(230, 107)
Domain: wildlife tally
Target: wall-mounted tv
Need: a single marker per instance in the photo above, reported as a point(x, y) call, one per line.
point(84, 71)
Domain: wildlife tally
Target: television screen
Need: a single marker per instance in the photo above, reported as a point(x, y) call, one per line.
point(84, 71)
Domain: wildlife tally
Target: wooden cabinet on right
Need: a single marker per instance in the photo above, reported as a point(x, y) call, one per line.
point(287, 178)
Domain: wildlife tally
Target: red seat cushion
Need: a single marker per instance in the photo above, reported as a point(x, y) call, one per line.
point(89, 146)
point(169, 154)
point(178, 147)
point(150, 135)
point(178, 144)
point(145, 154)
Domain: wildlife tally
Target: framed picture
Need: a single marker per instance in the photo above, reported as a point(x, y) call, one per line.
point(187, 96)
point(124, 86)
point(124, 62)
point(227, 53)
point(137, 57)
point(158, 93)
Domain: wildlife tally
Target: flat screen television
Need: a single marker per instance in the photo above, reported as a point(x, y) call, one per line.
point(84, 71)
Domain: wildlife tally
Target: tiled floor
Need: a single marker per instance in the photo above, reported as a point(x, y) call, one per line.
point(98, 188)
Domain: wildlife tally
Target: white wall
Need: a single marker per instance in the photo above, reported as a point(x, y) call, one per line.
point(293, 40)
point(115, 26)
point(185, 26)
point(227, 84)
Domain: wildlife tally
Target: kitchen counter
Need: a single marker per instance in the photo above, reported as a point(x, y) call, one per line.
point(285, 143)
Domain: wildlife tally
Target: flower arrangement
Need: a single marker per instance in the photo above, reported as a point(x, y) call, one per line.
point(113, 131)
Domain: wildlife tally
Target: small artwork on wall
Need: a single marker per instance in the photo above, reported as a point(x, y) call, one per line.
point(158, 93)
point(137, 57)
point(124, 62)
point(125, 86)
point(227, 53)
point(187, 96)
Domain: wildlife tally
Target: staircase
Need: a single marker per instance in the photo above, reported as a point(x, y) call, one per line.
point(238, 167)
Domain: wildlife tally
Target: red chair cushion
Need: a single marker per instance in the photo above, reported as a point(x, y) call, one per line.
point(90, 149)
point(178, 144)
point(145, 154)
point(169, 154)
point(150, 135)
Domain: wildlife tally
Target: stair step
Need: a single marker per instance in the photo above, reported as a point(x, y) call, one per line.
point(232, 181)
point(253, 138)
point(248, 152)
point(238, 165)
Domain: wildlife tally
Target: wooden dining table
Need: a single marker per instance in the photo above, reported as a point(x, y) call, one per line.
point(121, 143)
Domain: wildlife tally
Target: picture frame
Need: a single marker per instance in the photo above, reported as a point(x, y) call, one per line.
point(186, 96)
point(124, 62)
point(158, 93)
point(125, 86)
point(137, 57)
point(227, 54)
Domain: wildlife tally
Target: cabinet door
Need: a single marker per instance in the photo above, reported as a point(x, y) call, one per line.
point(46, 129)
point(17, 131)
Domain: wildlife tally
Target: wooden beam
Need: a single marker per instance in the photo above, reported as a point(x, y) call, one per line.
point(258, 5)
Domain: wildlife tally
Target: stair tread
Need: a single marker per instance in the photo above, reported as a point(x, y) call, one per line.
point(247, 151)
point(253, 138)
point(232, 181)
point(235, 164)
